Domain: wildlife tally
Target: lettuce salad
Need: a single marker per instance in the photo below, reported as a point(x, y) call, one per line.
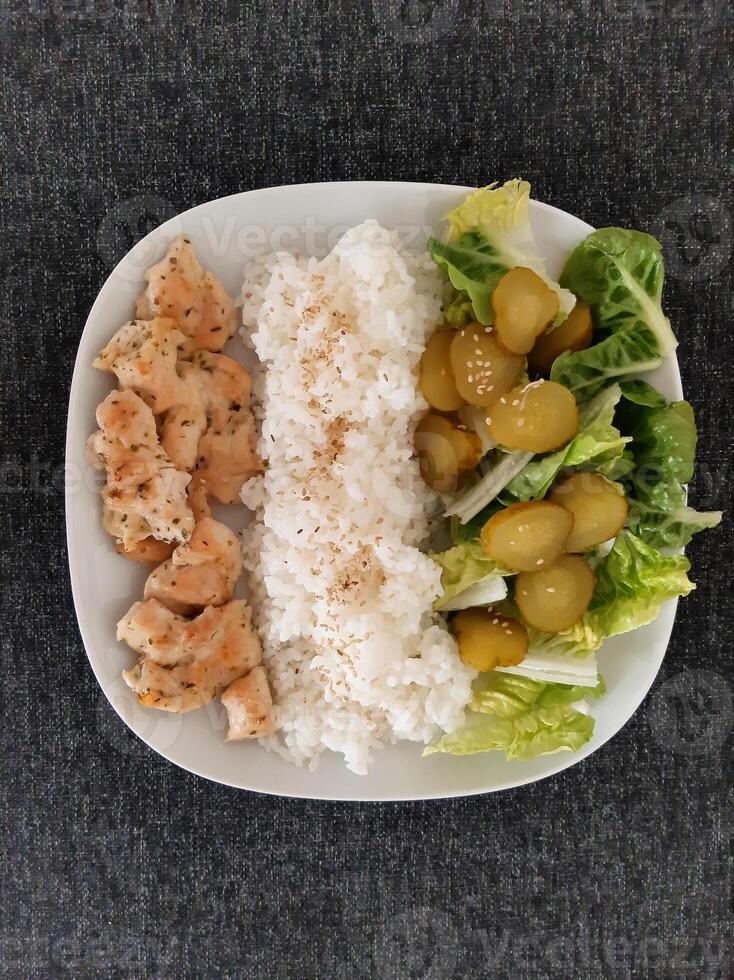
point(627, 432)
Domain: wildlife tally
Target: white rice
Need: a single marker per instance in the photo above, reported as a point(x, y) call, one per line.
point(341, 593)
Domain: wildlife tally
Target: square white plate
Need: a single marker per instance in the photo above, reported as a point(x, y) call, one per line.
point(225, 233)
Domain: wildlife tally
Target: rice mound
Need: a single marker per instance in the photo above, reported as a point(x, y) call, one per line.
point(341, 594)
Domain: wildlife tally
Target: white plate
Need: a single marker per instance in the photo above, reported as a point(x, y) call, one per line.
point(225, 233)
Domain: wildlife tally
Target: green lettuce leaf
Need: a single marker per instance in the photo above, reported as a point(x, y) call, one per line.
point(578, 641)
point(670, 529)
point(629, 351)
point(663, 449)
point(474, 269)
point(463, 566)
point(522, 717)
point(639, 392)
point(619, 273)
point(461, 533)
point(597, 445)
point(489, 234)
point(632, 582)
point(460, 311)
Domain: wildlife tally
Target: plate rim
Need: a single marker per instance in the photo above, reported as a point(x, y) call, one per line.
point(565, 759)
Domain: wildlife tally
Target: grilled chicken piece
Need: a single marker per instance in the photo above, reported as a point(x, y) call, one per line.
point(179, 288)
point(143, 355)
point(218, 316)
point(144, 494)
point(226, 455)
point(249, 706)
point(199, 498)
point(148, 551)
point(202, 572)
point(184, 664)
point(183, 426)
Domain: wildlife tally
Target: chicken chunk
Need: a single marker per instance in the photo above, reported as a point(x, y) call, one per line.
point(147, 550)
point(143, 355)
point(185, 663)
point(226, 453)
point(201, 572)
point(183, 426)
point(144, 494)
point(249, 706)
point(218, 316)
point(199, 498)
point(178, 287)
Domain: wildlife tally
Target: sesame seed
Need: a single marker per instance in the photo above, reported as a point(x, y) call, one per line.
point(509, 632)
point(540, 561)
point(495, 620)
point(470, 379)
point(549, 589)
point(470, 364)
point(478, 350)
point(503, 400)
point(524, 591)
point(488, 420)
point(476, 338)
point(520, 422)
point(515, 401)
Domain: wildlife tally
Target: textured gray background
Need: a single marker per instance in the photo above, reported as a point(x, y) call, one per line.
point(115, 863)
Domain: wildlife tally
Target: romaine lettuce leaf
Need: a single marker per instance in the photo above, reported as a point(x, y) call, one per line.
point(596, 445)
point(619, 274)
point(522, 717)
point(578, 641)
point(509, 695)
point(475, 498)
point(663, 448)
point(462, 567)
point(670, 529)
point(489, 234)
point(628, 351)
point(485, 592)
point(632, 582)
point(460, 311)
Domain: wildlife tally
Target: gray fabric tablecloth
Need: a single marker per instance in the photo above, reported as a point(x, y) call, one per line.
point(114, 862)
